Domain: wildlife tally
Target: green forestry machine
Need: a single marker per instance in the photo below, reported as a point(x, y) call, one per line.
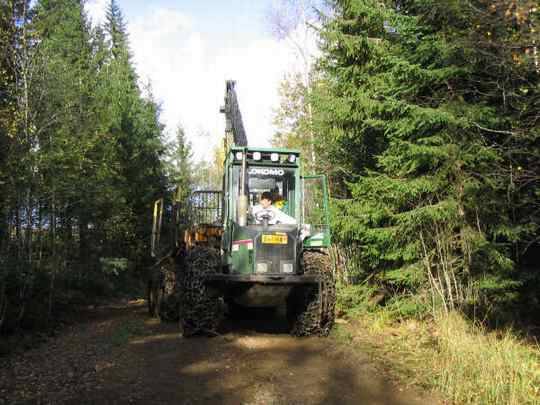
point(232, 252)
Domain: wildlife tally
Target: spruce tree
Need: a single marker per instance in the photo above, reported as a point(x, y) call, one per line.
point(117, 29)
point(407, 111)
point(134, 123)
point(63, 102)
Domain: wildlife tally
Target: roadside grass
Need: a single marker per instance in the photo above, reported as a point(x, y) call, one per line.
point(476, 366)
point(462, 361)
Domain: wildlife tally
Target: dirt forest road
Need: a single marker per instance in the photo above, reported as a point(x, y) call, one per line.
point(118, 355)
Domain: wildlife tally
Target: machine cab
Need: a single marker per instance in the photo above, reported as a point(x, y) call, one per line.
point(250, 174)
point(265, 215)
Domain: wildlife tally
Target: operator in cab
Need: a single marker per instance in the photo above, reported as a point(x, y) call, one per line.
point(265, 209)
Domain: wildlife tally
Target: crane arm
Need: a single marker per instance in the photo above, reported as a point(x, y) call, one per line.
point(234, 126)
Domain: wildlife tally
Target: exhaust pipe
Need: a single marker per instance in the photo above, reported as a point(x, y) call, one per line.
point(243, 202)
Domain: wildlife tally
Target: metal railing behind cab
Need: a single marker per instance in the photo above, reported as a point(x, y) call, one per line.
point(206, 207)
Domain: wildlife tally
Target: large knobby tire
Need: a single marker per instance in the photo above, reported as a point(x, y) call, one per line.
point(167, 297)
point(162, 293)
point(311, 308)
point(200, 311)
point(152, 291)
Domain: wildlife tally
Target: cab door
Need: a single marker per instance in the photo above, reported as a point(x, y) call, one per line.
point(315, 215)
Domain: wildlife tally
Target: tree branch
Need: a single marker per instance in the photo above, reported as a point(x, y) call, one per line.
point(496, 131)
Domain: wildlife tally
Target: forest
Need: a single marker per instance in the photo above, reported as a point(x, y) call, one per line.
point(82, 157)
point(424, 114)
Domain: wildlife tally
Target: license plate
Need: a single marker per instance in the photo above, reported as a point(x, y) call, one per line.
point(275, 239)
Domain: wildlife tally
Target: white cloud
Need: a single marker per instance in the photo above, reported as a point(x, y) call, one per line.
point(188, 69)
point(96, 10)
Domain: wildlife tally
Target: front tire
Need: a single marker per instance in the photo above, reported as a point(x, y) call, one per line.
point(199, 310)
point(311, 308)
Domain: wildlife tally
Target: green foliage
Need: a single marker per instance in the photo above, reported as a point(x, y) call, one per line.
point(293, 118)
point(354, 299)
point(406, 307)
point(114, 265)
point(84, 161)
point(422, 112)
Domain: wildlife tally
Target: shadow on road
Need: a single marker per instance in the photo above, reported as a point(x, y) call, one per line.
point(256, 320)
point(253, 361)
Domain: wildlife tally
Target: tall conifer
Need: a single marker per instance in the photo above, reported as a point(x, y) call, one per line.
point(407, 110)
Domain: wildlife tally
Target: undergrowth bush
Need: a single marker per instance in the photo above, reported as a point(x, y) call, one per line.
point(407, 306)
point(354, 299)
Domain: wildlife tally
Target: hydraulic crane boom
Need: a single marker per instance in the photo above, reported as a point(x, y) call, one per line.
point(234, 126)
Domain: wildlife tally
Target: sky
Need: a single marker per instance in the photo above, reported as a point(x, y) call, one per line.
point(187, 49)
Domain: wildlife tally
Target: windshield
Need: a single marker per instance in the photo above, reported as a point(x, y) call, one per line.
point(278, 181)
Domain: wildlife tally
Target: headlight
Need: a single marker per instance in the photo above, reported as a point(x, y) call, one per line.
point(239, 155)
point(256, 155)
point(287, 267)
point(292, 158)
point(261, 267)
point(274, 157)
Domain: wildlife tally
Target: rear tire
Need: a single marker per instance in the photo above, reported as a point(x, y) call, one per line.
point(311, 308)
point(152, 288)
point(167, 296)
point(200, 311)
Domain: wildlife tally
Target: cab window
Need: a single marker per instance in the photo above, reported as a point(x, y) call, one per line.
point(280, 182)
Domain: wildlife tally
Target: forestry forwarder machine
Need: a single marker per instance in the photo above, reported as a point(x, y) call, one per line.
point(223, 254)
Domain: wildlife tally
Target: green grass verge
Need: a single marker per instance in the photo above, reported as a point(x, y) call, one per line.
point(462, 361)
point(474, 366)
